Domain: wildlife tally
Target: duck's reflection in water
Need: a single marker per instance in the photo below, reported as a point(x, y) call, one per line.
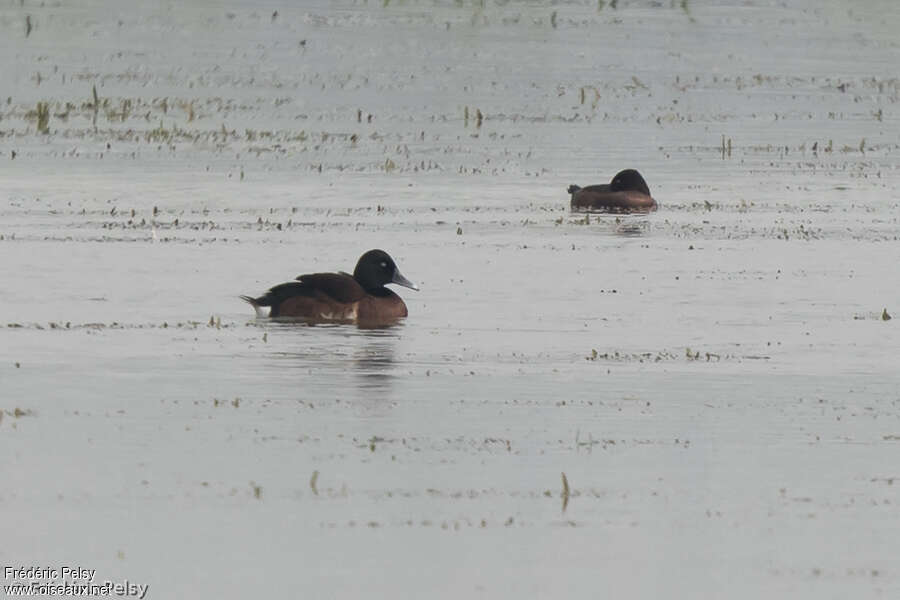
point(630, 225)
point(373, 359)
point(342, 362)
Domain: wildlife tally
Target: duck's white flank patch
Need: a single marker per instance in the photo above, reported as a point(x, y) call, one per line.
point(350, 314)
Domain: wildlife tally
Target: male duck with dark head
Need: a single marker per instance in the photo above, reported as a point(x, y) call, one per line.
point(627, 192)
point(360, 298)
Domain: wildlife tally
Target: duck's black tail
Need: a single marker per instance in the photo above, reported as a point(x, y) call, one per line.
point(573, 188)
point(257, 304)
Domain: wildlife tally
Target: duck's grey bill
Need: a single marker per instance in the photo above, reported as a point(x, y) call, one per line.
point(401, 280)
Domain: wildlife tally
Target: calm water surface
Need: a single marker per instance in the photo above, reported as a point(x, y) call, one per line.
point(715, 380)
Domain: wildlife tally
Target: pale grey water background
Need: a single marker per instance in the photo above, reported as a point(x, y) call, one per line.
point(143, 442)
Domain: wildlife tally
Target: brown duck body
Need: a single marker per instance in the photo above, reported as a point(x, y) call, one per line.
point(334, 297)
point(340, 297)
point(627, 192)
point(600, 197)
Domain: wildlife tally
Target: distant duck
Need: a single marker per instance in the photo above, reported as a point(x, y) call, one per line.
point(341, 297)
point(627, 192)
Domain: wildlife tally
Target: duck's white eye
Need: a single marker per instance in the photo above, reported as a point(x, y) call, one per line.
point(384, 265)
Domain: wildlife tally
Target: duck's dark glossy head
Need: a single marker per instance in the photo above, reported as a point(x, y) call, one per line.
point(629, 180)
point(376, 269)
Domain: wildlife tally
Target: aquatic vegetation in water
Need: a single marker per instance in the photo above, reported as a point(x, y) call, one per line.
point(726, 148)
point(43, 117)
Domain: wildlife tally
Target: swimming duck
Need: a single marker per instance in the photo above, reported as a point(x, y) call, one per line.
point(627, 192)
point(360, 297)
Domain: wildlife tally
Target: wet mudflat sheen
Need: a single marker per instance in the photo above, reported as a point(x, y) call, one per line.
point(717, 380)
